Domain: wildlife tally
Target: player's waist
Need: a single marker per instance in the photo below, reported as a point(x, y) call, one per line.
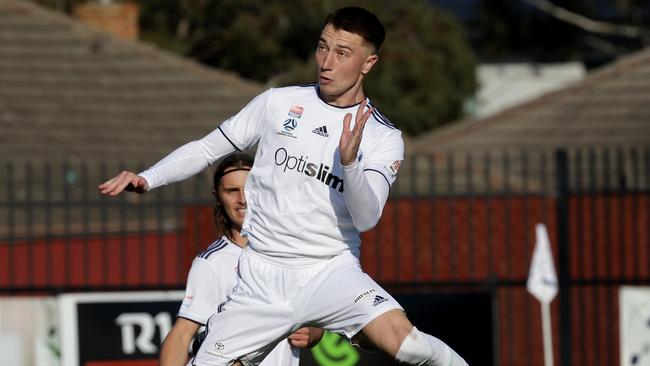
point(294, 260)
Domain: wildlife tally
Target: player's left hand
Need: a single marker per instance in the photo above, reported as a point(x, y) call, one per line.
point(350, 140)
point(306, 337)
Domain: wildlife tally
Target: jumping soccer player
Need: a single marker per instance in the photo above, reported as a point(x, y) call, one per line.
point(326, 159)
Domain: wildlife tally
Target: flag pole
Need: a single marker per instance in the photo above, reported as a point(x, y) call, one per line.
point(543, 285)
point(546, 330)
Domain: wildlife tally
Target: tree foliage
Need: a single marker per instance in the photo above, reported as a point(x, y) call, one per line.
point(425, 73)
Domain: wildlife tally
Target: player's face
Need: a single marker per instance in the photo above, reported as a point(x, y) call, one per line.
point(231, 195)
point(343, 58)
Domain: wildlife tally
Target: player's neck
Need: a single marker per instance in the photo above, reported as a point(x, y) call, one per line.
point(352, 96)
point(237, 238)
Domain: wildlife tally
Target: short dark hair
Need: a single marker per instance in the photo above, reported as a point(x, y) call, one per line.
point(233, 162)
point(359, 21)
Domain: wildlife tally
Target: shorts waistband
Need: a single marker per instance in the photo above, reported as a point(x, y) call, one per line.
point(305, 262)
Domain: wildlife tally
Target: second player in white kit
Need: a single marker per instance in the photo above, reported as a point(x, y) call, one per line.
point(214, 273)
point(212, 276)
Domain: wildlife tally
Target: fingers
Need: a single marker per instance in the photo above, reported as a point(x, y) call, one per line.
point(315, 335)
point(298, 342)
point(299, 338)
point(346, 122)
point(357, 132)
point(360, 110)
point(306, 337)
point(117, 184)
point(351, 140)
point(303, 330)
point(361, 118)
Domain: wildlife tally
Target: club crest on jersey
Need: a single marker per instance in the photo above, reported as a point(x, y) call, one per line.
point(295, 111)
point(394, 167)
point(288, 126)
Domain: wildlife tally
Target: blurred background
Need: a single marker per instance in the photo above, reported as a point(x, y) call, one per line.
point(514, 112)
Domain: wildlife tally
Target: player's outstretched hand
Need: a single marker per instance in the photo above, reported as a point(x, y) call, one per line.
point(125, 181)
point(350, 140)
point(306, 337)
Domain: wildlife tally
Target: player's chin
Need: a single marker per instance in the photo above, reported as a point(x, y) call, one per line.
point(326, 88)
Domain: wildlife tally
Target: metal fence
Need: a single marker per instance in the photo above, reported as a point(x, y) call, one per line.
point(455, 222)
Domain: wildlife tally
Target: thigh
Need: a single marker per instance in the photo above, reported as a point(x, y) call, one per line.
point(245, 333)
point(253, 319)
point(388, 331)
point(343, 299)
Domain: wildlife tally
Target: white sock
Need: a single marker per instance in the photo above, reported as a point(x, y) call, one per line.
point(422, 349)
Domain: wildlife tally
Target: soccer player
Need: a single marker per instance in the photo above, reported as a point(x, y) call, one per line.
point(213, 273)
point(325, 161)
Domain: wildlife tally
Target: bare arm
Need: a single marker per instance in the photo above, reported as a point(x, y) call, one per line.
point(176, 344)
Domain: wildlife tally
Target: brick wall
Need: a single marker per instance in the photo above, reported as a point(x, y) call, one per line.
point(119, 19)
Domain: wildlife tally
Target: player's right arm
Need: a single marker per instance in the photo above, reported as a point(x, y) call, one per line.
point(237, 133)
point(174, 348)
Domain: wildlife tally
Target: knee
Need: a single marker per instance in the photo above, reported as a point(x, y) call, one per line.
point(422, 349)
point(388, 331)
point(415, 350)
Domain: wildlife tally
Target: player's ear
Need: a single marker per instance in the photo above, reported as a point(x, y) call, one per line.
point(369, 63)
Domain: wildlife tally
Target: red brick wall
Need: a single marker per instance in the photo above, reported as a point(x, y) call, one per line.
point(452, 239)
point(119, 19)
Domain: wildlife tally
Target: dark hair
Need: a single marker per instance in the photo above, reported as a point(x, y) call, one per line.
point(360, 21)
point(233, 162)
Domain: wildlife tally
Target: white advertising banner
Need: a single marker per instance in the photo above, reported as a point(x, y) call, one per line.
point(28, 331)
point(634, 305)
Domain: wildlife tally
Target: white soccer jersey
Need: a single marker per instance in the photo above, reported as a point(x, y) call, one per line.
point(212, 275)
point(295, 189)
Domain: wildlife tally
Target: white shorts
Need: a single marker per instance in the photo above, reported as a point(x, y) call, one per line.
point(271, 301)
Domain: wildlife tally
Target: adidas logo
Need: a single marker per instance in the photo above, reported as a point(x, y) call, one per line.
point(379, 300)
point(321, 131)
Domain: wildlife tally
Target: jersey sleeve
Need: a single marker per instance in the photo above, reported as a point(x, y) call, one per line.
point(203, 293)
point(245, 128)
point(367, 185)
point(387, 157)
point(187, 160)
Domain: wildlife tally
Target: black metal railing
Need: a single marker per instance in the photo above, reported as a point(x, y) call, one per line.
point(456, 221)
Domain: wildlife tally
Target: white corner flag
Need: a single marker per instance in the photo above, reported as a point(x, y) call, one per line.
point(542, 283)
point(542, 279)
